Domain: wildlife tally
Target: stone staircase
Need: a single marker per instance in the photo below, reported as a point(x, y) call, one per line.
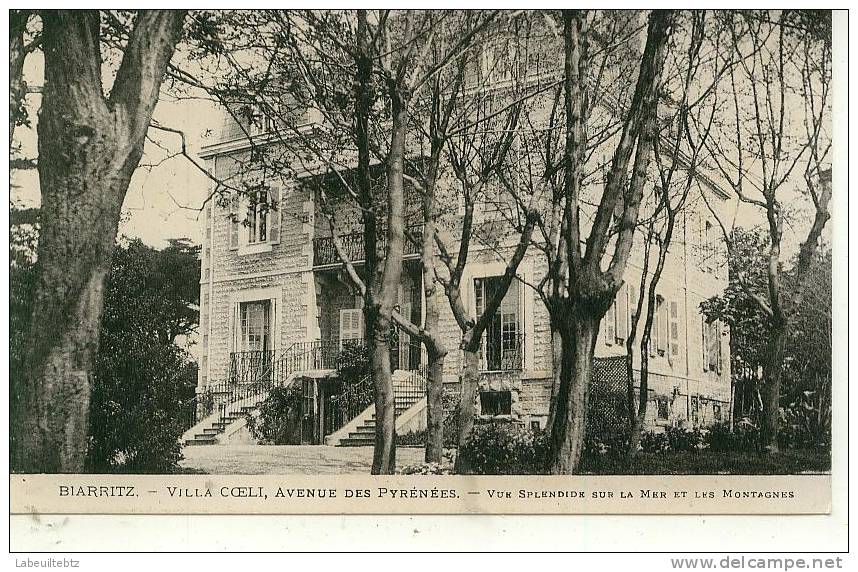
point(209, 435)
point(364, 434)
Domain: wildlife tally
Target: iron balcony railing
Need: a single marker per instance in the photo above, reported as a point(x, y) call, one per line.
point(503, 352)
point(324, 252)
point(348, 404)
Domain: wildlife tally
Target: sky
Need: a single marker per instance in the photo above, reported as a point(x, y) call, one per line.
point(163, 192)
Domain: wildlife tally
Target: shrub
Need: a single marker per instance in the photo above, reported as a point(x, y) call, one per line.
point(450, 401)
point(425, 469)
point(744, 437)
point(279, 418)
point(720, 439)
point(652, 442)
point(353, 362)
point(682, 439)
point(412, 438)
point(505, 449)
point(806, 422)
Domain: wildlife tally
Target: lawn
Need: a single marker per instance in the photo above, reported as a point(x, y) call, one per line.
point(704, 462)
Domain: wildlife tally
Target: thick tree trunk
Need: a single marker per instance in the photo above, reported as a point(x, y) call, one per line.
point(578, 338)
point(384, 453)
point(556, 359)
point(88, 149)
point(772, 373)
point(470, 382)
point(83, 185)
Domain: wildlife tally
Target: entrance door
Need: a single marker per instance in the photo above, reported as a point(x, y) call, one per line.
point(255, 341)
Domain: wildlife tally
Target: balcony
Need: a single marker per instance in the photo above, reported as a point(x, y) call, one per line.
point(503, 352)
point(325, 254)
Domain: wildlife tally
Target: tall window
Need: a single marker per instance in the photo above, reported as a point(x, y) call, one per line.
point(257, 217)
point(260, 223)
point(503, 345)
point(255, 326)
point(711, 346)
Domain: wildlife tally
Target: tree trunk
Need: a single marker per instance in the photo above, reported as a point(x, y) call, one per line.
point(385, 290)
point(470, 381)
point(435, 408)
point(772, 372)
point(578, 338)
point(556, 358)
point(638, 417)
point(80, 210)
point(384, 452)
point(88, 149)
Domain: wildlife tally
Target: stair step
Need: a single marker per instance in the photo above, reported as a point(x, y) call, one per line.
point(350, 442)
point(199, 443)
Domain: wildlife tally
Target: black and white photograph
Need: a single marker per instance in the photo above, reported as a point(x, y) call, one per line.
point(419, 242)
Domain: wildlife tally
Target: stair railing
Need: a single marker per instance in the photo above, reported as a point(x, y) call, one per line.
point(348, 404)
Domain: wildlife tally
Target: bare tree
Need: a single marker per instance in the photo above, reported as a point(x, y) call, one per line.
point(390, 59)
point(89, 146)
point(579, 290)
point(775, 137)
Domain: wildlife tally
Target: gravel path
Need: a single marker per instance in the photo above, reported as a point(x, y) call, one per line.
point(288, 459)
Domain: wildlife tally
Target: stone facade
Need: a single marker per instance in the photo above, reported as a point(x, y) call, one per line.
point(686, 381)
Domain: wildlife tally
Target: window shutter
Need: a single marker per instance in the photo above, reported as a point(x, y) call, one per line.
point(622, 311)
point(662, 326)
point(234, 327)
point(719, 361)
point(272, 324)
point(610, 320)
point(653, 333)
point(714, 347)
point(674, 328)
point(479, 297)
point(274, 215)
point(234, 223)
point(705, 340)
point(350, 325)
point(633, 304)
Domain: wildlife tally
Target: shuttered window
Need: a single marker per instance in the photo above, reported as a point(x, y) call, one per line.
point(633, 305)
point(674, 329)
point(261, 219)
point(712, 359)
point(622, 313)
point(610, 321)
point(351, 325)
point(663, 323)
